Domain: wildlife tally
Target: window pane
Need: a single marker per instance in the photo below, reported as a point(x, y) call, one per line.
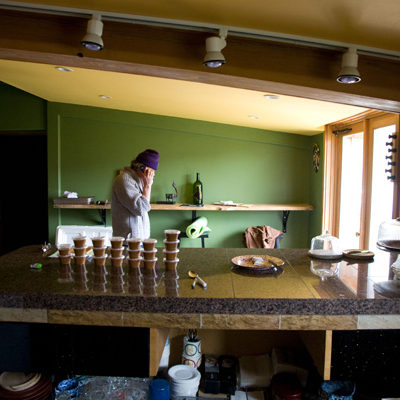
point(351, 189)
point(382, 188)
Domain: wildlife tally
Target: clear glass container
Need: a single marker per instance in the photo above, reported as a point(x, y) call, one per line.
point(389, 234)
point(326, 246)
point(324, 269)
point(396, 268)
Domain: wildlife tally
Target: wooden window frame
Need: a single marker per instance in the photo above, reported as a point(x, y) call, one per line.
point(364, 122)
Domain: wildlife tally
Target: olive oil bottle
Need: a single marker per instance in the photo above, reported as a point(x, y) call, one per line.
point(198, 190)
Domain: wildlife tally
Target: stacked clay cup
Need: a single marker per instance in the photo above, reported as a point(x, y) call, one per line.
point(134, 253)
point(99, 251)
point(117, 272)
point(99, 248)
point(64, 253)
point(117, 249)
point(149, 253)
point(80, 249)
point(171, 250)
point(64, 256)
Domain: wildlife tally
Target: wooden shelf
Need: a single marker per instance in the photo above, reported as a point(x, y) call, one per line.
point(285, 208)
point(85, 206)
point(244, 207)
point(206, 207)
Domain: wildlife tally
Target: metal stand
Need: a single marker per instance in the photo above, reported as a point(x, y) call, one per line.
point(103, 213)
point(285, 217)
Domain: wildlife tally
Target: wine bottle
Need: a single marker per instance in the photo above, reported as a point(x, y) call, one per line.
point(198, 191)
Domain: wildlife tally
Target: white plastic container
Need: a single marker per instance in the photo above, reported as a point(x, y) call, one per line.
point(64, 233)
point(184, 380)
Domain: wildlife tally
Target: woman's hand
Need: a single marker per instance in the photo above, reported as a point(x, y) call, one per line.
point(147, 177)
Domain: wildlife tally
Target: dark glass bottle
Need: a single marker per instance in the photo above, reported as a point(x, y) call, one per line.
point(198, 191)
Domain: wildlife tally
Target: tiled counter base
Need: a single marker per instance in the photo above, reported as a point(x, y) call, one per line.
point(202, 321)
point(295, 300)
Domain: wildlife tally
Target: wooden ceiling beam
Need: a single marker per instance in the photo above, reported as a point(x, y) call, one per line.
point(253, 64)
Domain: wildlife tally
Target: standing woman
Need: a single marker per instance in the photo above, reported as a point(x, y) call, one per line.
point(131, 192)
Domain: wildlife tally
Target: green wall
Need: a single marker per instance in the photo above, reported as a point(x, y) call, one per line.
point(87, 146)
point(21, 111)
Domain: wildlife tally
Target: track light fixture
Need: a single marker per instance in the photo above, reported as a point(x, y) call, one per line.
point(92, 40)
point(214, 44)
point(349, 72)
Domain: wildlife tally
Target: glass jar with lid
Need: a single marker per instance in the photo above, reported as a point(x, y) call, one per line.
point(389, 234)
point(326, 246)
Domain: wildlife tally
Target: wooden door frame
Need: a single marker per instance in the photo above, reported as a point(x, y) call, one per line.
point(365, 122)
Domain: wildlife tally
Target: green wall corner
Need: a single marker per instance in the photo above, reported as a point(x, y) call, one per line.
point(21, 111)
point(87, 146)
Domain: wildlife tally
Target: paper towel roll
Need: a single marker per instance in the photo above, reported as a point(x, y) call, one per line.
point(197, 228)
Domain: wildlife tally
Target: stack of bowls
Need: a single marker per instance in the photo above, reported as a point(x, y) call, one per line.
point(80, 246)
point(99, 251)
point(134, 253)
point(171, 250)
point(19, 386)
point(99, 247)
point(80, 278)
point(64, 257)
point(184, 381)
point(149, 253)
point(99, 280)
point(64, 249)
point(117, 248)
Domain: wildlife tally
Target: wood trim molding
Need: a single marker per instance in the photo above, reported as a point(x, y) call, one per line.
point(158, 338)
point(354, 119)
point(396, 194)
point(329, 214)
point(365, 216)
point(366, 123)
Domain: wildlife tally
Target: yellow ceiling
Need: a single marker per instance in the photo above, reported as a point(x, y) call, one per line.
point(173, 98)
point(364, 22)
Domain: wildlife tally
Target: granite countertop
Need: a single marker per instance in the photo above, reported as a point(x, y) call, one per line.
point(294, 290)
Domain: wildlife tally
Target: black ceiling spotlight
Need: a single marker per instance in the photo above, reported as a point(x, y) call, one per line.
point(349, 73)
point(92, 40)
point(214, 44)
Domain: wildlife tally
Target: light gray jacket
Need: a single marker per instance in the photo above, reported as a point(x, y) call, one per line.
point(129, 209)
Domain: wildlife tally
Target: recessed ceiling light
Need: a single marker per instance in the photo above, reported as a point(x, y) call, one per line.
point(254, 117)
point(271, 96)
point(102, 96)
point(64, 69)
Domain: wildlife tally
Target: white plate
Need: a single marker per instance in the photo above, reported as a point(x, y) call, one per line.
point(247, 261)
point(183, 373)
